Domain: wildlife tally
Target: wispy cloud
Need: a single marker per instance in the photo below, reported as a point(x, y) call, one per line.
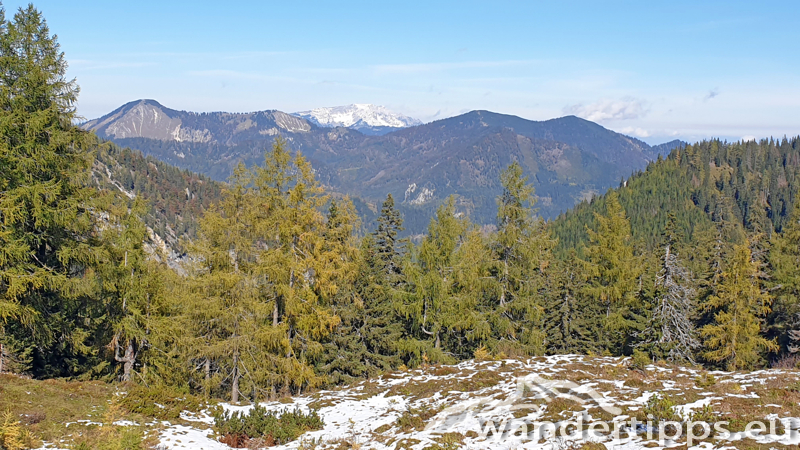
point(445, 66)
point(635, 131)
point(711, 94)
point(625, 109)
point(218, 73)
point(87, 64)
point(217, 55)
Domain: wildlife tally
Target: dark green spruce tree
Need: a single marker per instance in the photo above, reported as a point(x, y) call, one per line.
point(784, 259)
point(520, 253)
point(365, 343)
point(573, 321)
point(47, 228)
point(613, 273)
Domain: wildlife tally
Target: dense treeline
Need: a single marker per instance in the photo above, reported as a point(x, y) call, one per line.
point(695, 260)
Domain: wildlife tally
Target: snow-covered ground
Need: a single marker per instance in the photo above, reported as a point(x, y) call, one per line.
point(454, 406)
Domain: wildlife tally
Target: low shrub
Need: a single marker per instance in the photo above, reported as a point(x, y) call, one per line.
point(482, 354)
point(272, 427)
point(159, 403)
point(705, 380)
point(640, 360)
point(705, 414)
point(662, 408)
point(13, 436)
point(111, 438)
point(790, 361)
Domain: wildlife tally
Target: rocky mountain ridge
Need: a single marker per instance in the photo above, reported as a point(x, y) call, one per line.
point(567, 159)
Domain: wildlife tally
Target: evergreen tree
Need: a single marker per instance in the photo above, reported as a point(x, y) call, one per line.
point(438, 298)
point(613, 271)
point(47, 235)
point(365, 343)
point(521, 252)
point(272, 268)
point(132, 286)
point(303, 272)
point(784, 259)
point(229, 314)
point(387, 246)
point(573, 321)
point(734, 339)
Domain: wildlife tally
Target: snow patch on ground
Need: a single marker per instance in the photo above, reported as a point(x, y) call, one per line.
point(365, 414)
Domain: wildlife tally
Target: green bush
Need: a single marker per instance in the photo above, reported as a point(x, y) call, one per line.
point(661, 408)
point(159, 403)
point(705, 380)
point(705, 414)
point(640, 360)
point(273, 427)
point(13, 436)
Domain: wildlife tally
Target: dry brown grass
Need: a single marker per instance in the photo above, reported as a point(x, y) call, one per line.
point(748, 444)
point(419, 389)
point(47, 406)
point(561, 408)
point(593, 446)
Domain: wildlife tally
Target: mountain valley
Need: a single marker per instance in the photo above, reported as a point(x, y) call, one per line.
point(567, 159)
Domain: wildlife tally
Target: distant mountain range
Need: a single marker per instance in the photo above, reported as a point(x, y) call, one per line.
point(567, 159)
point(368, 119)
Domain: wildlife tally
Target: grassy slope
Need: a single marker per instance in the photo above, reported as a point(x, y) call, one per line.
point(87, 414)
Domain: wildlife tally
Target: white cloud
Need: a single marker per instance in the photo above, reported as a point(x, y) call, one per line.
point(748, 138)
point(635, 131)
point(602, 110)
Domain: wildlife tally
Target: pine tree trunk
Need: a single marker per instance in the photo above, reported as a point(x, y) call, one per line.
point(275, 314)
point(504, 283)
point(127, 361)
point(235, 387)
point(127, 367)
point(2, 355)
point(438, 342)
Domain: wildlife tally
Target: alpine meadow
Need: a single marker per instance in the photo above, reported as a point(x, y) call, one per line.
point(337, 302)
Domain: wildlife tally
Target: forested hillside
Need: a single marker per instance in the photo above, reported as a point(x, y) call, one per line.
point(750, 185)
point(721, 207)
point(175, 198)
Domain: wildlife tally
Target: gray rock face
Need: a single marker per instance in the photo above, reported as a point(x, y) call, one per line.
point(150, 120)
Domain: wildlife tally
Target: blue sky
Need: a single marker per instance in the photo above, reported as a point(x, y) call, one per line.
point(655, 70)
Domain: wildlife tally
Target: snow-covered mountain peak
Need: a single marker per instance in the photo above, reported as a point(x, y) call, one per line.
point(373, 119)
